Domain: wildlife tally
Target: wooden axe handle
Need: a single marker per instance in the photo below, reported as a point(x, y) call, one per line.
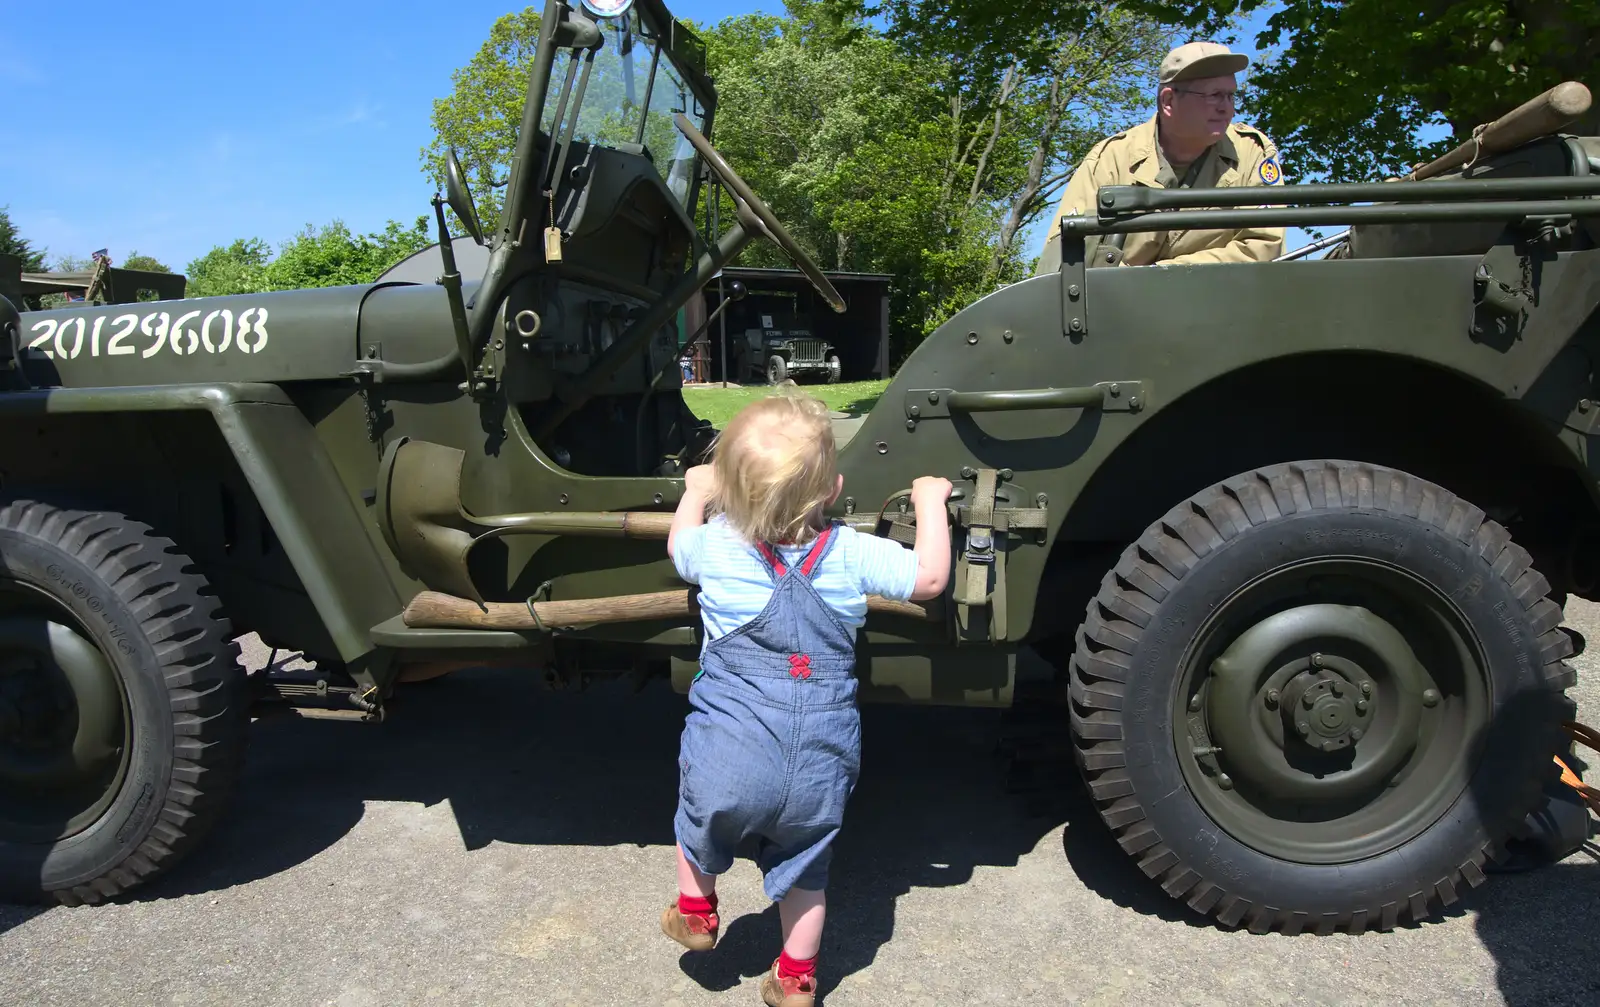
point(434, 610)
point(1534, 118)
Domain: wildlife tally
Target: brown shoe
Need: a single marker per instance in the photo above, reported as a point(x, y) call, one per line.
point(788, 991)
point(697, 933)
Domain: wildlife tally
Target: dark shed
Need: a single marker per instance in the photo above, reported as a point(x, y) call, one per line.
point(783, 301)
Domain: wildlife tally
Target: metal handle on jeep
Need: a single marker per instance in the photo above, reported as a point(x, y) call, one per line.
point(1106, 396)
point(1090, 396)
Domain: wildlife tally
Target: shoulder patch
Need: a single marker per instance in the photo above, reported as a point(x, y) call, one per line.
point(1270, 172)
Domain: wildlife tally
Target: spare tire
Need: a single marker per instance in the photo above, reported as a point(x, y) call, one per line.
point(1319, 695)
point(122, 707)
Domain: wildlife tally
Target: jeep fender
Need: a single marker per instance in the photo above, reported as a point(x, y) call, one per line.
point(312, 513)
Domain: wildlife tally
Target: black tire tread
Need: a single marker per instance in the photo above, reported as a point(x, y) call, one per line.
point(1147, 570)
point(181, 618)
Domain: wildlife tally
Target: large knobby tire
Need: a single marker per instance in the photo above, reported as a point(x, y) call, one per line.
point(1320, 695)
point(122, 704)
point(777, 370)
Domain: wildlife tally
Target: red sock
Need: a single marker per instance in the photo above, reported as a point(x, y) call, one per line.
point(795, 968)
point(693, 905)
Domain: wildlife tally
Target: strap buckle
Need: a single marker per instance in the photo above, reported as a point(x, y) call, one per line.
point(980, 545)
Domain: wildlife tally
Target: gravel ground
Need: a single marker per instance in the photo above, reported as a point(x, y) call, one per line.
point(496, 844)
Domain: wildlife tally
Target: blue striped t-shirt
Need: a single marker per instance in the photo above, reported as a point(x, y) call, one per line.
point(736, 583)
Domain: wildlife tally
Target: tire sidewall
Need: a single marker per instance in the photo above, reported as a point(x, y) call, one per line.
point(117, 631)
point(1509, 644)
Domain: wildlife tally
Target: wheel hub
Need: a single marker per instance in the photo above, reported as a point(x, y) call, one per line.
point(1291, 728)
point(62, 736)
point(1326, 710)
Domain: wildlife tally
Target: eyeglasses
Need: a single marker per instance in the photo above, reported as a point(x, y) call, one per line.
point(1229, 98)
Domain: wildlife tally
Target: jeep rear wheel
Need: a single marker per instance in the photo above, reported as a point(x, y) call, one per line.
point(121, 704)
point(1319, 695)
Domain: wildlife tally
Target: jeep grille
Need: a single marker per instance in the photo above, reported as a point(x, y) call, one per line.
point(808, 350)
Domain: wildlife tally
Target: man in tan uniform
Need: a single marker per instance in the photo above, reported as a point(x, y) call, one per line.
point(1191, 141)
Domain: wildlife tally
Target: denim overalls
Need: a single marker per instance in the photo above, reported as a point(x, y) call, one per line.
point(771, 747)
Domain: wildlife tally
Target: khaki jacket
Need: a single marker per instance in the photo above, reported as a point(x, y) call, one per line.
point(1244, 156)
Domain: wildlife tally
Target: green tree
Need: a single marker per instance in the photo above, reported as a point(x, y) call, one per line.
point(13, 243)
point(886, 152)
point(1349, 86)
point(850, 142)
point(147, 263)
point(481, 116)
point(332, 256)
point(327, 256)
point(237, 268)
point(1358, 79)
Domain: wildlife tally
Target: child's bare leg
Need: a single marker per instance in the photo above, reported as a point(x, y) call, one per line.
point(691, 881)
point(802, 913)
point(692, 921)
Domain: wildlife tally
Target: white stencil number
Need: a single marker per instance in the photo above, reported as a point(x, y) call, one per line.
point(216, 331)
point(48, 325)
point(253, 321)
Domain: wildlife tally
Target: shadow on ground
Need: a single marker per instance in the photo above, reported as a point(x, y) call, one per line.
point(522, 765)
point(525, 766)
point(1542, 929)
point(14, 916)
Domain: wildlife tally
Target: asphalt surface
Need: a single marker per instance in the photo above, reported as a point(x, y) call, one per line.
point(497, 844)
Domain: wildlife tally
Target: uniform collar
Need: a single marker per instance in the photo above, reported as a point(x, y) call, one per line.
point(1146, 161)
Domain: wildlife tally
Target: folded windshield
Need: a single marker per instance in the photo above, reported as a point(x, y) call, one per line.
point(634, 88)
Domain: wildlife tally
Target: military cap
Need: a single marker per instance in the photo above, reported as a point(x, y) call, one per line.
point(1201, 59)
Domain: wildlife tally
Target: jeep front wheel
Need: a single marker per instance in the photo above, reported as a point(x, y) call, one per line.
point(777, 370)
point(1319, 695)
point(121, 704)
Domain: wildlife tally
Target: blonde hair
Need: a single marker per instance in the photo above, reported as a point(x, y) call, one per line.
point(776, 467)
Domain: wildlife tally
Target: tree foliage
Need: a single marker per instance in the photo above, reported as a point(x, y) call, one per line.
point(148, 263)
point(1358, 79)
point(13, 243)
point(483, 111)
point(328, 256)
point(1349, 86)
point(907, 152)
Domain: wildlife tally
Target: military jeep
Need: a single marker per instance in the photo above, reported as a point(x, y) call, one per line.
point(1295, 535)
point(790, 355)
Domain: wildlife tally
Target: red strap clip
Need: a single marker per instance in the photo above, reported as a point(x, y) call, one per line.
point(799, 666)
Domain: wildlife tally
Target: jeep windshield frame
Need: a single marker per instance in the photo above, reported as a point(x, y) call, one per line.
point(674, 76)
point(612, 98)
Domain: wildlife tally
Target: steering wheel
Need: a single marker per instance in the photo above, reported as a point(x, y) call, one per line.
point(762, 212)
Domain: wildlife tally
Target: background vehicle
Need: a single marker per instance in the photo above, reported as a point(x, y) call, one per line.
point(790, 355)
point(1297, 533)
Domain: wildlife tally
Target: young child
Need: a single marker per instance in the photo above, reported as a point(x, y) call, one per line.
point(771, 747)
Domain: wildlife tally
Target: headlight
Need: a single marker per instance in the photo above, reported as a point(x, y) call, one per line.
point(607, 8)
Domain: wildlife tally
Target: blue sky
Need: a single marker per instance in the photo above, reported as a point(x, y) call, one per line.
point(172, 131)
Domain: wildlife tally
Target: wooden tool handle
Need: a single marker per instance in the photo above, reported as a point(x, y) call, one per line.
point(646, 524)
point(434, 610)
point(1537, 117)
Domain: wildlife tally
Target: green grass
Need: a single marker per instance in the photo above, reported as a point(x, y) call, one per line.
point(720, 404)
